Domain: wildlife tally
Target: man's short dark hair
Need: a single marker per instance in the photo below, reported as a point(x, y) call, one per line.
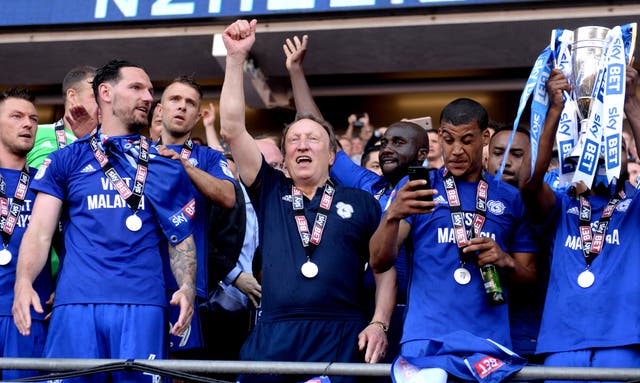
point(464, 111)
point(508, 128)
point(75, 76)
point(333, 142)
point(422, 137)
point(152, 109)
point(188, 81)
point(110, 72)
point(20, 93)
point(367, 154)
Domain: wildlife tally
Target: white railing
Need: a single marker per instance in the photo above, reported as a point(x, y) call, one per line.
point(301, 368)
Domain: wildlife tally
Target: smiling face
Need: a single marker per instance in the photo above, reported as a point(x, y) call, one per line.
point(18, 125)
point(308, 154)
point(401, 146)
point(180, 109)
point(462, 147)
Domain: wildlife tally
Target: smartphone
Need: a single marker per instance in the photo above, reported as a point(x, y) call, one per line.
point(358, 123)
point(424, 122)
point(420, 173)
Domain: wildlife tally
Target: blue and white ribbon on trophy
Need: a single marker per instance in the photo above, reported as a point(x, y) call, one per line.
point(604, 125)
point(539, 105)
point(603, 130)
point(614, 90)
point(567, 133)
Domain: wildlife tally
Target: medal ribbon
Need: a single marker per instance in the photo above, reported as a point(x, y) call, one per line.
point(9, 214)
point(134, 196)
point(457, 216)
point(185, 151)
point(313, 238)
point(592, 243)
point(61, 136)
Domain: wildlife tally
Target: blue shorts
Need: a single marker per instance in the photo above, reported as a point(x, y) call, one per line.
point(14, 345)
point(620, 357)
point(111, 331)
point(303, 340)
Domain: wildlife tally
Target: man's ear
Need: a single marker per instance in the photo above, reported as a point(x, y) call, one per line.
point(486, 136)
point(422, 154)
point(104, 91)
point(71, 96)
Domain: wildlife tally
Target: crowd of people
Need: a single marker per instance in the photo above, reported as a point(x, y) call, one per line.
point(320, 248)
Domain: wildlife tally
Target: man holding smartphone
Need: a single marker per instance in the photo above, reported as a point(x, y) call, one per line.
point(471, 221)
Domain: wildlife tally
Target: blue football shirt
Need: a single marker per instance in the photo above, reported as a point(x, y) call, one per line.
point(104, 261)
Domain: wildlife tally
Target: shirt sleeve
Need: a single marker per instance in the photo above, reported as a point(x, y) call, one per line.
point(349, 174)
point(218, 166)
point(50, 178)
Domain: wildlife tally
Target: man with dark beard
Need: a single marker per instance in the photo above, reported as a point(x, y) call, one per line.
point(117, 197)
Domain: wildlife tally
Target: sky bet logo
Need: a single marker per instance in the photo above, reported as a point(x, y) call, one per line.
point(589, 157)
point(615, 79)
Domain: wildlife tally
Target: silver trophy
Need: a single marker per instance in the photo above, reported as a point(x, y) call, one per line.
point(587, 50)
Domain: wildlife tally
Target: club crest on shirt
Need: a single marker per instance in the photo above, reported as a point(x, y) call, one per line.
point(194, 161)
point(344, 210)
point(623, 205)
point(42, 169)
point(225, 169)
point(496, 207)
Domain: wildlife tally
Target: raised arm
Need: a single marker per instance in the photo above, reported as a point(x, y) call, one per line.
point(34, 250)
point(295, 51)
point(538, 197)
point(632, 104)
point(238, 39)
point(208, 120)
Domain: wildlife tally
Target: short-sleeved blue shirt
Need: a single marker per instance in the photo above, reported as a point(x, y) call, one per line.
point(607, 314)
point(43, 283)
point(104, 262)
point(437, 305)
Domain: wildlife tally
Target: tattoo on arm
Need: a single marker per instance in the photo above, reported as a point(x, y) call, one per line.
point(183, 262)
